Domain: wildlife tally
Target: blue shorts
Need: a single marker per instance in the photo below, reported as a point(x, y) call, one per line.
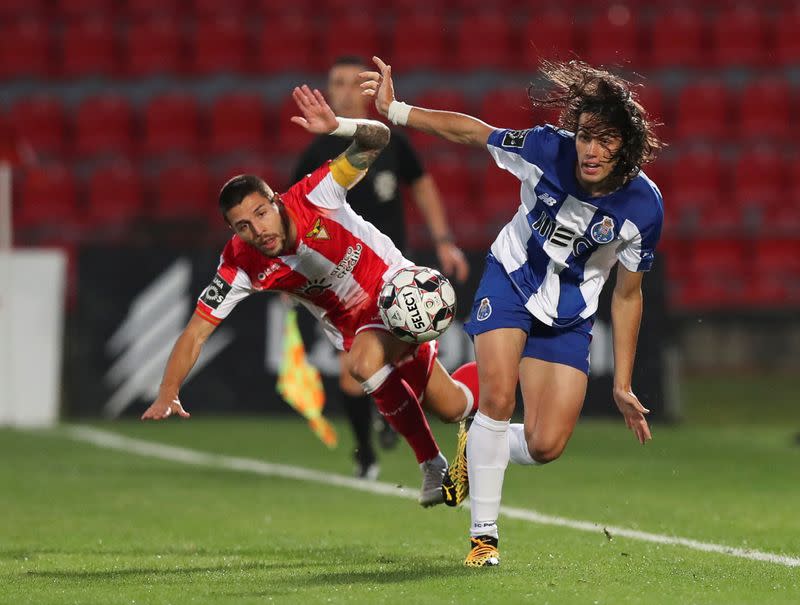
point(498, 304)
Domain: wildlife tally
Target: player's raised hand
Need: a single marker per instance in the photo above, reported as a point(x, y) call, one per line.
point(318, 117)
point(164, 407)
point(379, 84)
point(634, 412)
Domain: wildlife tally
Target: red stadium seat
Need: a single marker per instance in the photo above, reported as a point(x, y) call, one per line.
point(260, 165)
point(786, 41)
point(349, 35)
point(15, 9)
point(48, 202)
point(484, 41)
point(764, 111)
point(775, 273)
point(717, 270)
point(237, 123)
point(724, 220)
point(738, 37)
point(152, 46)
point(184, 192)
point(41, 122)
point(420, 8)
point(696, 183)
point(651, 97)
point(146, 9)
point(291, 137)
point(675, 36)
point(778, 257)
point(211, 8)
point(80, 9)
point(549, 35)
point(219, 45)
point(88, 48)
point(612, 37)
point(279, 10)
point(419, 42)
point(507, 108)
point(455, 184)
point(25, 49)
point(285, 44)
point(759, 178)
point(104, 125)
point(703, 112)
point(115, 199)
point(171, 125)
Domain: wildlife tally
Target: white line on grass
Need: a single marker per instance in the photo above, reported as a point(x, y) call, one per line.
point(172, 453)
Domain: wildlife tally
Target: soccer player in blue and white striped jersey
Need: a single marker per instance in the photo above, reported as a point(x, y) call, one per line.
point(585, 207)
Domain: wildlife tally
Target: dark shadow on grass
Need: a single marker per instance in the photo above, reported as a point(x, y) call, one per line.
point(111, 574)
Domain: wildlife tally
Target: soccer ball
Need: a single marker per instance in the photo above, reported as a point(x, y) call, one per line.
point(417, 304)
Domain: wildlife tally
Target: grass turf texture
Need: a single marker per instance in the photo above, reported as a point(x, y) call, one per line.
point(86, 525)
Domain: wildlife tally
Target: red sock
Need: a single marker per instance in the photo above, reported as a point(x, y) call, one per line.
point(416, 370)
point(468, 376)
point(397, 403)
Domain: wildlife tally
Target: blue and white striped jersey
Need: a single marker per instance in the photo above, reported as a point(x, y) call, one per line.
point(562, 243)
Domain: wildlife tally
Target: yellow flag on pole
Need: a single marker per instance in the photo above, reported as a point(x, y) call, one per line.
point(300, 384)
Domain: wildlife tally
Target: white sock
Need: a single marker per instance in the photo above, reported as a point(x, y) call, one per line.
point(487, 459)
point(518, 445)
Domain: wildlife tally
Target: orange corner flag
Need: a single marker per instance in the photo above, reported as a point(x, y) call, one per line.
point(300, 384)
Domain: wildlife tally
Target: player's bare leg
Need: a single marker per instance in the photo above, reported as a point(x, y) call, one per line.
point(371, 361)
point(446, 397)
point(498, 355)
point(553, 394)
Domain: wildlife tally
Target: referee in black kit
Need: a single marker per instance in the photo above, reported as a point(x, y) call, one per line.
point(378, 200)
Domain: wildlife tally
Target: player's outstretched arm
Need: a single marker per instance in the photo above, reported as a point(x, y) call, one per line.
point(181, 361)
point(453, 126)
point(369, 137)
point(626, 315)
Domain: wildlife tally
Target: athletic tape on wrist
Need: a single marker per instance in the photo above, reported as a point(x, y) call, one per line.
point(398, 113)
point(346, 127)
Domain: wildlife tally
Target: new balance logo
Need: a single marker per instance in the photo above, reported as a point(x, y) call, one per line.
point(547, 199)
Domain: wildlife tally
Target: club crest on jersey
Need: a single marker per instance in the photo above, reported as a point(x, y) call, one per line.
point(485, 310)
point(515, 138)
point(603, 231)
point(318, 231)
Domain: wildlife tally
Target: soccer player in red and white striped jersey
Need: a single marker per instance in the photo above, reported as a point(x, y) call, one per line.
point(310, 244)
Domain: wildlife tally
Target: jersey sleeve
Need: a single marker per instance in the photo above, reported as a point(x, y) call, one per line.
point(328, 185)
point(637, 251)
point(228, 288)
point(518, 151)
point(409, 164)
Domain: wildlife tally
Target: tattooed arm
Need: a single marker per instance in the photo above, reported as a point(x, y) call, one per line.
point(370, 139)
point(369, 136)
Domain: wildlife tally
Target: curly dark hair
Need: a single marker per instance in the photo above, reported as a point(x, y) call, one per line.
point(580, 88)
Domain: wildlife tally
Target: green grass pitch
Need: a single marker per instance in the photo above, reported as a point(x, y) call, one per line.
point(80, 524)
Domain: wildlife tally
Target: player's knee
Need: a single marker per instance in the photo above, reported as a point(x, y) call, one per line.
point(361, 367)
point(544, 453)
point(498, 405)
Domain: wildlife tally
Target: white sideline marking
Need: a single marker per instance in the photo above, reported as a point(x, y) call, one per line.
point(172, 453)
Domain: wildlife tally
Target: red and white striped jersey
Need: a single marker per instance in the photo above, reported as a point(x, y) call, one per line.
point(335, 268)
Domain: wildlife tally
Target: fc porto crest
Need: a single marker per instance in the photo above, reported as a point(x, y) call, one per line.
point(485, 310)
point(603, 231)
